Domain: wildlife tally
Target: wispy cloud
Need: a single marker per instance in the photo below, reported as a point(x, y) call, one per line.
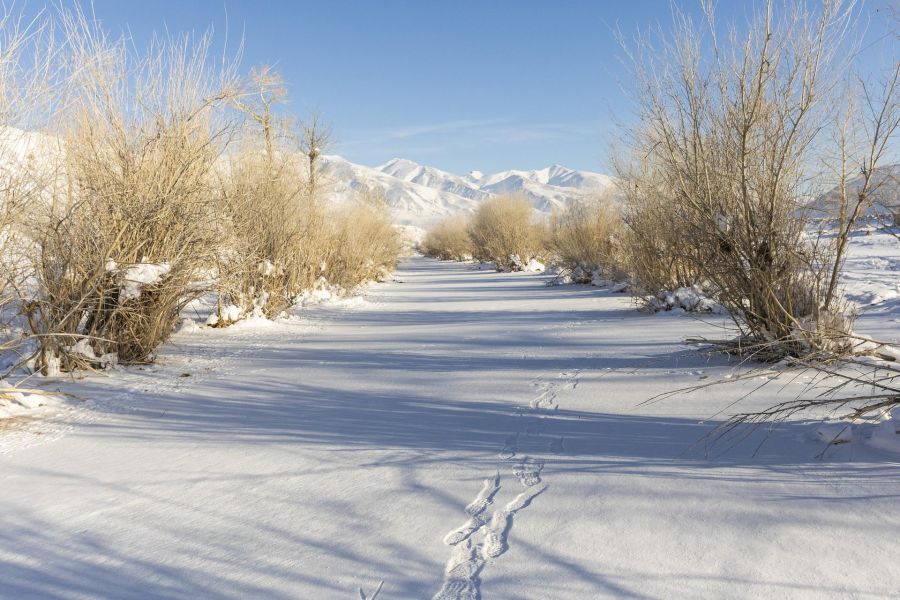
point(473, 132)
point(414, 131)
point(446, 127)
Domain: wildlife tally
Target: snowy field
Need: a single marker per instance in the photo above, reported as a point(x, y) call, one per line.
point(458, 434)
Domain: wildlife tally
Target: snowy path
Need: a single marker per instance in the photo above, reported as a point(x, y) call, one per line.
point(463, 434)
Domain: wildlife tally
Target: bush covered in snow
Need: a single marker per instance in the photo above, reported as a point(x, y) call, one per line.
point(273, 229)
point(690, 299)
point(280, 238)
point(363, 243)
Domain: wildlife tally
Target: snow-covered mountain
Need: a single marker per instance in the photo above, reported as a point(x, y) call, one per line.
point(884, 194)
point(419, 194)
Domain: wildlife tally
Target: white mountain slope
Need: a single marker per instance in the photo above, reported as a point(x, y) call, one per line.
point(418, 194)
point(884, 193)
point(408, 170)
point(410, 202)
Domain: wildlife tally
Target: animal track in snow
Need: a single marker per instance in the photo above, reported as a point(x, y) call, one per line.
point(462, 572)
point(549, 390)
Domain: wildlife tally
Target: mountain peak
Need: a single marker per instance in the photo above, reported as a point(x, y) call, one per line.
point(420, 194)
point(398, 162)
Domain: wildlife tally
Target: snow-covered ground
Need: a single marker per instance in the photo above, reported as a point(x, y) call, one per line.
point(456, 433)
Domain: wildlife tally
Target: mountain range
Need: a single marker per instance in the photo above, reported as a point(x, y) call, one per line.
point(419, 194)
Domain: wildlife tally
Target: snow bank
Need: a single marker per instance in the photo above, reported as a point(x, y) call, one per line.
point(835, 432)
point(885, 434)
point(690, 299)
point(17, 403)
point(531, 266)
point(582, 274)
point(882, 433)
point(84, 349)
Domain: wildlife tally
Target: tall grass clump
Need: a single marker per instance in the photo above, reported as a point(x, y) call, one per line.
point(129, 226)
point(584, 238)
point(503, 231)
point(716, 184)
point(449, 239)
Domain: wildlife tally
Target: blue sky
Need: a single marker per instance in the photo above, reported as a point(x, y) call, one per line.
point(457, 84)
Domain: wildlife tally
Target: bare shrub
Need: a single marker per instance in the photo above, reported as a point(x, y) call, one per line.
point(725, 133)
point(268, 220)
point(871, 118)
point(449, 239)
point(363, 243)
point(584, 238)
point(27, 88)
point(130, 227)
point(273, 235)
point(503, 231)
point(654, 246)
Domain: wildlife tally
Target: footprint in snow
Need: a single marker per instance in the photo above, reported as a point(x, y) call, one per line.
point(528, 472)
point(461, 580)
point(495, 535)
point(475, 510)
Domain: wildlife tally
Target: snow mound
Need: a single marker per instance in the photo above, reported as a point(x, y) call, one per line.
point(689, 299)
point(17, 403)
point(886, 434)
point(835, 432)
point(134, 277)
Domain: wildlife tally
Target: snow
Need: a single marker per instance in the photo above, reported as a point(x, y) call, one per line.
point(531, 266)
point(418, 195)
point(266, 268)
point(886, 435)
point(14, 402)
point(457, 433)
point(835, 432)
point(229, 313)
point(134, 277)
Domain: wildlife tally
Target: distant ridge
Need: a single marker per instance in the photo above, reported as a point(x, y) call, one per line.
point(419, 194)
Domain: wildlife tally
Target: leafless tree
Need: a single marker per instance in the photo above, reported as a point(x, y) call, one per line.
point(726, 130)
